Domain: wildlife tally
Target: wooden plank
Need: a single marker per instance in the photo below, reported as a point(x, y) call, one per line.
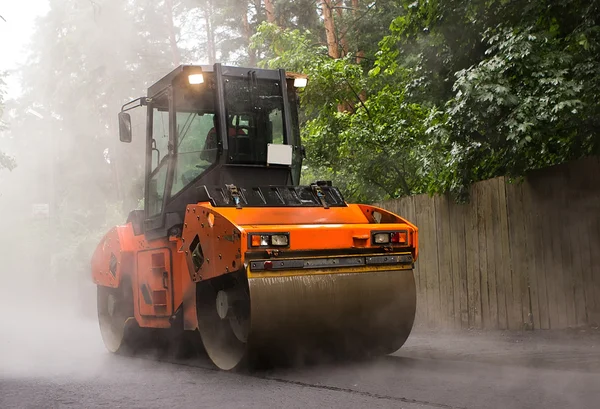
point(594, 243)
point(538, 270)
point(528, 280)
point(561, 240)
point(595, 269)
point(576, 231)
point(516, 232)
point(482, 204)
point(434, 312)
point(462, 253)
point(577, 215)
point(498, 260)
point(562, 227)
point(584, 208)
point(553, 202)
point(444, 239)
point(421, 215)
point(586, 248)
point(513, 315)
point(421, 314)
point(504, 262)
point(472, 258)
point(409, 210)
point(459, 268)
point(550, 261)
point(585, 285)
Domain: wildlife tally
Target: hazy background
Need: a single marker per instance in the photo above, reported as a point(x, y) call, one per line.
point(404, 98)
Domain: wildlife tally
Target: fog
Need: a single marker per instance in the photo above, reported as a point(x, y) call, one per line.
point(74, 180)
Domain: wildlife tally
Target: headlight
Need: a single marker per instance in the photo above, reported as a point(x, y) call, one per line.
point(382, 238)
point(280, 240)
point(270, 240)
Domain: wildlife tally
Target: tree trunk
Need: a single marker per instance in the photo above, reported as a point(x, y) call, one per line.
point(172, 35)
point(210, 34)
point(247, 35)
point(270, 9)
point(360, 53)
point(343, 39)
point(326, 7)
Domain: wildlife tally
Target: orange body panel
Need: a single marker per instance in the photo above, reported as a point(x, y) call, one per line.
point(162, 272)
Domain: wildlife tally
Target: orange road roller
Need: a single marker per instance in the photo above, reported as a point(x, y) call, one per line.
point(231, 249)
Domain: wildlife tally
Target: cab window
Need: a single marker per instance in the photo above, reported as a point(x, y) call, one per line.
point(196, 147)
point(159, 143)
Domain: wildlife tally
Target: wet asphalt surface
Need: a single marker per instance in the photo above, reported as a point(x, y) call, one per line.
point(57, 360)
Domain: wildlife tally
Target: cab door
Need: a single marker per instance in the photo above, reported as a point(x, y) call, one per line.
point(155, 283)
point(159, 160)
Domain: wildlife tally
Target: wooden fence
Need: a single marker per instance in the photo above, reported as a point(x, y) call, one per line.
point(518, 256)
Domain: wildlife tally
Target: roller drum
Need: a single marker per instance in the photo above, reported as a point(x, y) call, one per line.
point(297, 318)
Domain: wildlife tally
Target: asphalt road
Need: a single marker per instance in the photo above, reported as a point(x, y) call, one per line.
point(53, 360)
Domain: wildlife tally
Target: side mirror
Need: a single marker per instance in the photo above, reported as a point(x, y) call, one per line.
point(124, 127)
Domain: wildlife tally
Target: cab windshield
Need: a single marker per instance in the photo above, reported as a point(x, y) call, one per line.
point(254, 110)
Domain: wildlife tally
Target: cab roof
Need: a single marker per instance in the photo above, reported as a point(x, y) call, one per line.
point(273, 74)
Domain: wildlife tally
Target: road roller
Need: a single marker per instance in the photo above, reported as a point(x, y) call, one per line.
point(231, 249)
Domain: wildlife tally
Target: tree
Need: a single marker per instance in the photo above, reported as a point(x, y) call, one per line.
point(455, 91)
point(6, 161)
point(371, 155)
point(87, 60)
point(516, 83)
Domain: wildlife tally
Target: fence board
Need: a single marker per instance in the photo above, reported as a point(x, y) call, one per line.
point(444, 260)
point(473, 268)
point(499, 286)
point(595, 270)
point(577, 273)
point(482, 246)
point(434, 312)
point(459, 268)
point(577, 184)
point(425, 254)
point(516, 229)
point(560, 247)
point(586, 271)
point(528, 279)
point(407, 210)
point(513, 312)
point(538, 268)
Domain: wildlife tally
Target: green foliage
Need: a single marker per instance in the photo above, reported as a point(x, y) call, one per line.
point(517, 84)
point(375, 147)
point(459, 91)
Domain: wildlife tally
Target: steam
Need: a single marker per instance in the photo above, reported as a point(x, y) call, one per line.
point(73, 182)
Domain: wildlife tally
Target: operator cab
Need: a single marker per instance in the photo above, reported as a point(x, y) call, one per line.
point(210, 126)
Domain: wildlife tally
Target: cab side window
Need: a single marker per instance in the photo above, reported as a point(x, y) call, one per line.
point(196, 147)
point(160, 150)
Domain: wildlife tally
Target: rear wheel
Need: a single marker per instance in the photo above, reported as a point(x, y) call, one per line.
point(116, 318)
point(223, 309)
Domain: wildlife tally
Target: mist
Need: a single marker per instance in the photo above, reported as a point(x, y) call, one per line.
point(72, 181)
point(66, 179)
